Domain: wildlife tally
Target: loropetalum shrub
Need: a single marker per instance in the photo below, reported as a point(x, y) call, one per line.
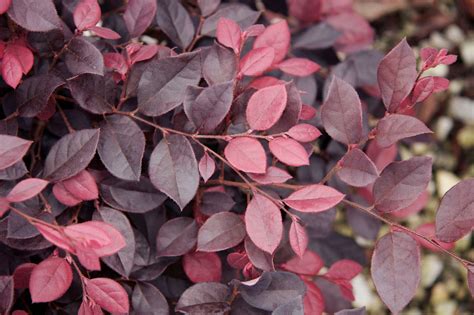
point(217, 174)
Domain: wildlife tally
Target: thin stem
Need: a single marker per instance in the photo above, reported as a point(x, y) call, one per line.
point(66, 120)
point(370, 211)
point(198, 34)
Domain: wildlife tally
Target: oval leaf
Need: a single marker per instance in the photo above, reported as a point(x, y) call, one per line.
point(257, 61)
point(35, 16)
point(395, 127)
point(138, 16)
point(207, 167)
point(246, 154)
point(110, 295)
point(304, 133)
point(86, 14)
point(273, 175)
point(228, 33)
point(202, 267)
point(50, 280)
point(176, 237)
point(276, 36)
point(298, 238)
point(314, 198)
point(26, 189)
point(266, 106)
point(221, 231)
point(357, 169)
point(12, 150)
point(289, 151)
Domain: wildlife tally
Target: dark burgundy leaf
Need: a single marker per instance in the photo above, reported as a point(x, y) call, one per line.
point(208, 110)
point(263, 223)
point(204, 298)
point(202, 267)
point(33, 94)
point(221, 231)
point(246, 154)
point(258, 257)
point(13, 172)
point(138, 16)
point(455, 215)
point(208, 6)
point(22, 274)
point(121, 147)
point(110, 295)
point(84, 57)
point(86, 14)
point(207, 167)
point(401, 183)
point(163, 82)
point(319, 36)
point(395, 127)
point(354, 311)
point(293, 307)
point(341, 113)
point(174, 21)
point(105, 32)
point(147, 299)
point(94, 93)
point(50, 280)
point(177, 237)
point(229, 34)
point(173, 169)
point(307, 11)
point(396, 75)
point(219, 65)
point(215, 201)
point(6, 294)
point(241, 14)
point(357, 169)
point(12, 150)
point(394, 254)
point(34, 16)
point(71, 154)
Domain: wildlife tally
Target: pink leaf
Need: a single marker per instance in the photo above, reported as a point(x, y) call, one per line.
point(313, 300)
point(357, 169)
point(4, 5)
point(266, 106)
point(55, 237)
point(228, 33)
point(298, 238)
point(64, 196)
point(429, 230)
point(108, 294)
point(396, 75)
point(50, 280)
point(307, 112)
point(381, 156)
point(11, 70)
point(82, 186)
point(300, 67)
point(314, 198)
point(88, 258)
point(440, 84)
point(344, 269)
point(116, 62)
point(264, 223)
point(89, 308)
point(22, 274)
point(422, 90)
point(86, 14)
point(273, 175)
point(26, 189)
point(144, 53)
point(12, 150)
point(254, 30)
point(4, 206)
point(257, 61)
point(307, 11)
point(415, 207)
point(395, 127)
point(395, 254)
point(104, 32)
point(289, 151)
point(401, 183)
point(202, 267)
point(455, 215)
point(341, 113)
point(246, 154)
point(23, 54)
point(304, 133)
point(207, 167)
point(87, 233)
point(265, 81)
point(117, 240)
point(309, 264)
point(357, 34)
point(276, 36)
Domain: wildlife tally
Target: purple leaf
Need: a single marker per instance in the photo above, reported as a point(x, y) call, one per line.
point(176, 237)
point(71, 154)
point(455, 215)
point(94, 93)
point(174, 21)
point(121, 147)
point(204, 298)
point(341, 113)
point(13, 172)
point(401, 183)
point(208, 6)
point(394, 254)
point(147, 299)
point(33, 94)
point(173, 169)
point(208, 110)
point(219, 65)
point(357, 169)
point(84, 57)
point(354, 311)
point(259, 258)
point(318, 36)
point(215, 201)
point(395, 127)
point(12, 150)
point(6, 294)
point(35, 16)
point(138, 16)
point(221, 231)
point(162, 84)
point(207, 167)
point(241, 14)
point(396, 75)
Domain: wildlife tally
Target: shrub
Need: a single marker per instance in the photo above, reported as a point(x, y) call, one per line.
point(218, 174)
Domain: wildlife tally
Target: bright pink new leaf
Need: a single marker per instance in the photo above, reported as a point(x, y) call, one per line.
point(12, 70)
point(257, 61)
point(86, 14)
point(313, 300)
point(4, 5)
point(104, 32)
point(300, 67)
point(265, 81)
point(276, 36)
point(82, 186)
point(264, 223)
point(396, 75)
point(246, 154)
point(289, 151)
point(108, 294)
point(117, 240)
point(26, 189)
point(344, 269)
point(202, 267)
point(307, 112)
point(314, 198)
point(50, 280)
point(207, 167)
point(144, 53)
point(228, 33)
point(274, 175)
point(298, 238)
point(64, 196)
point(422, 90)
point(12, 150)
point(116, 62)
point(304, 133)
point(55, 236)
point(23, 54)
point(309, 264)
point(266, 106)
